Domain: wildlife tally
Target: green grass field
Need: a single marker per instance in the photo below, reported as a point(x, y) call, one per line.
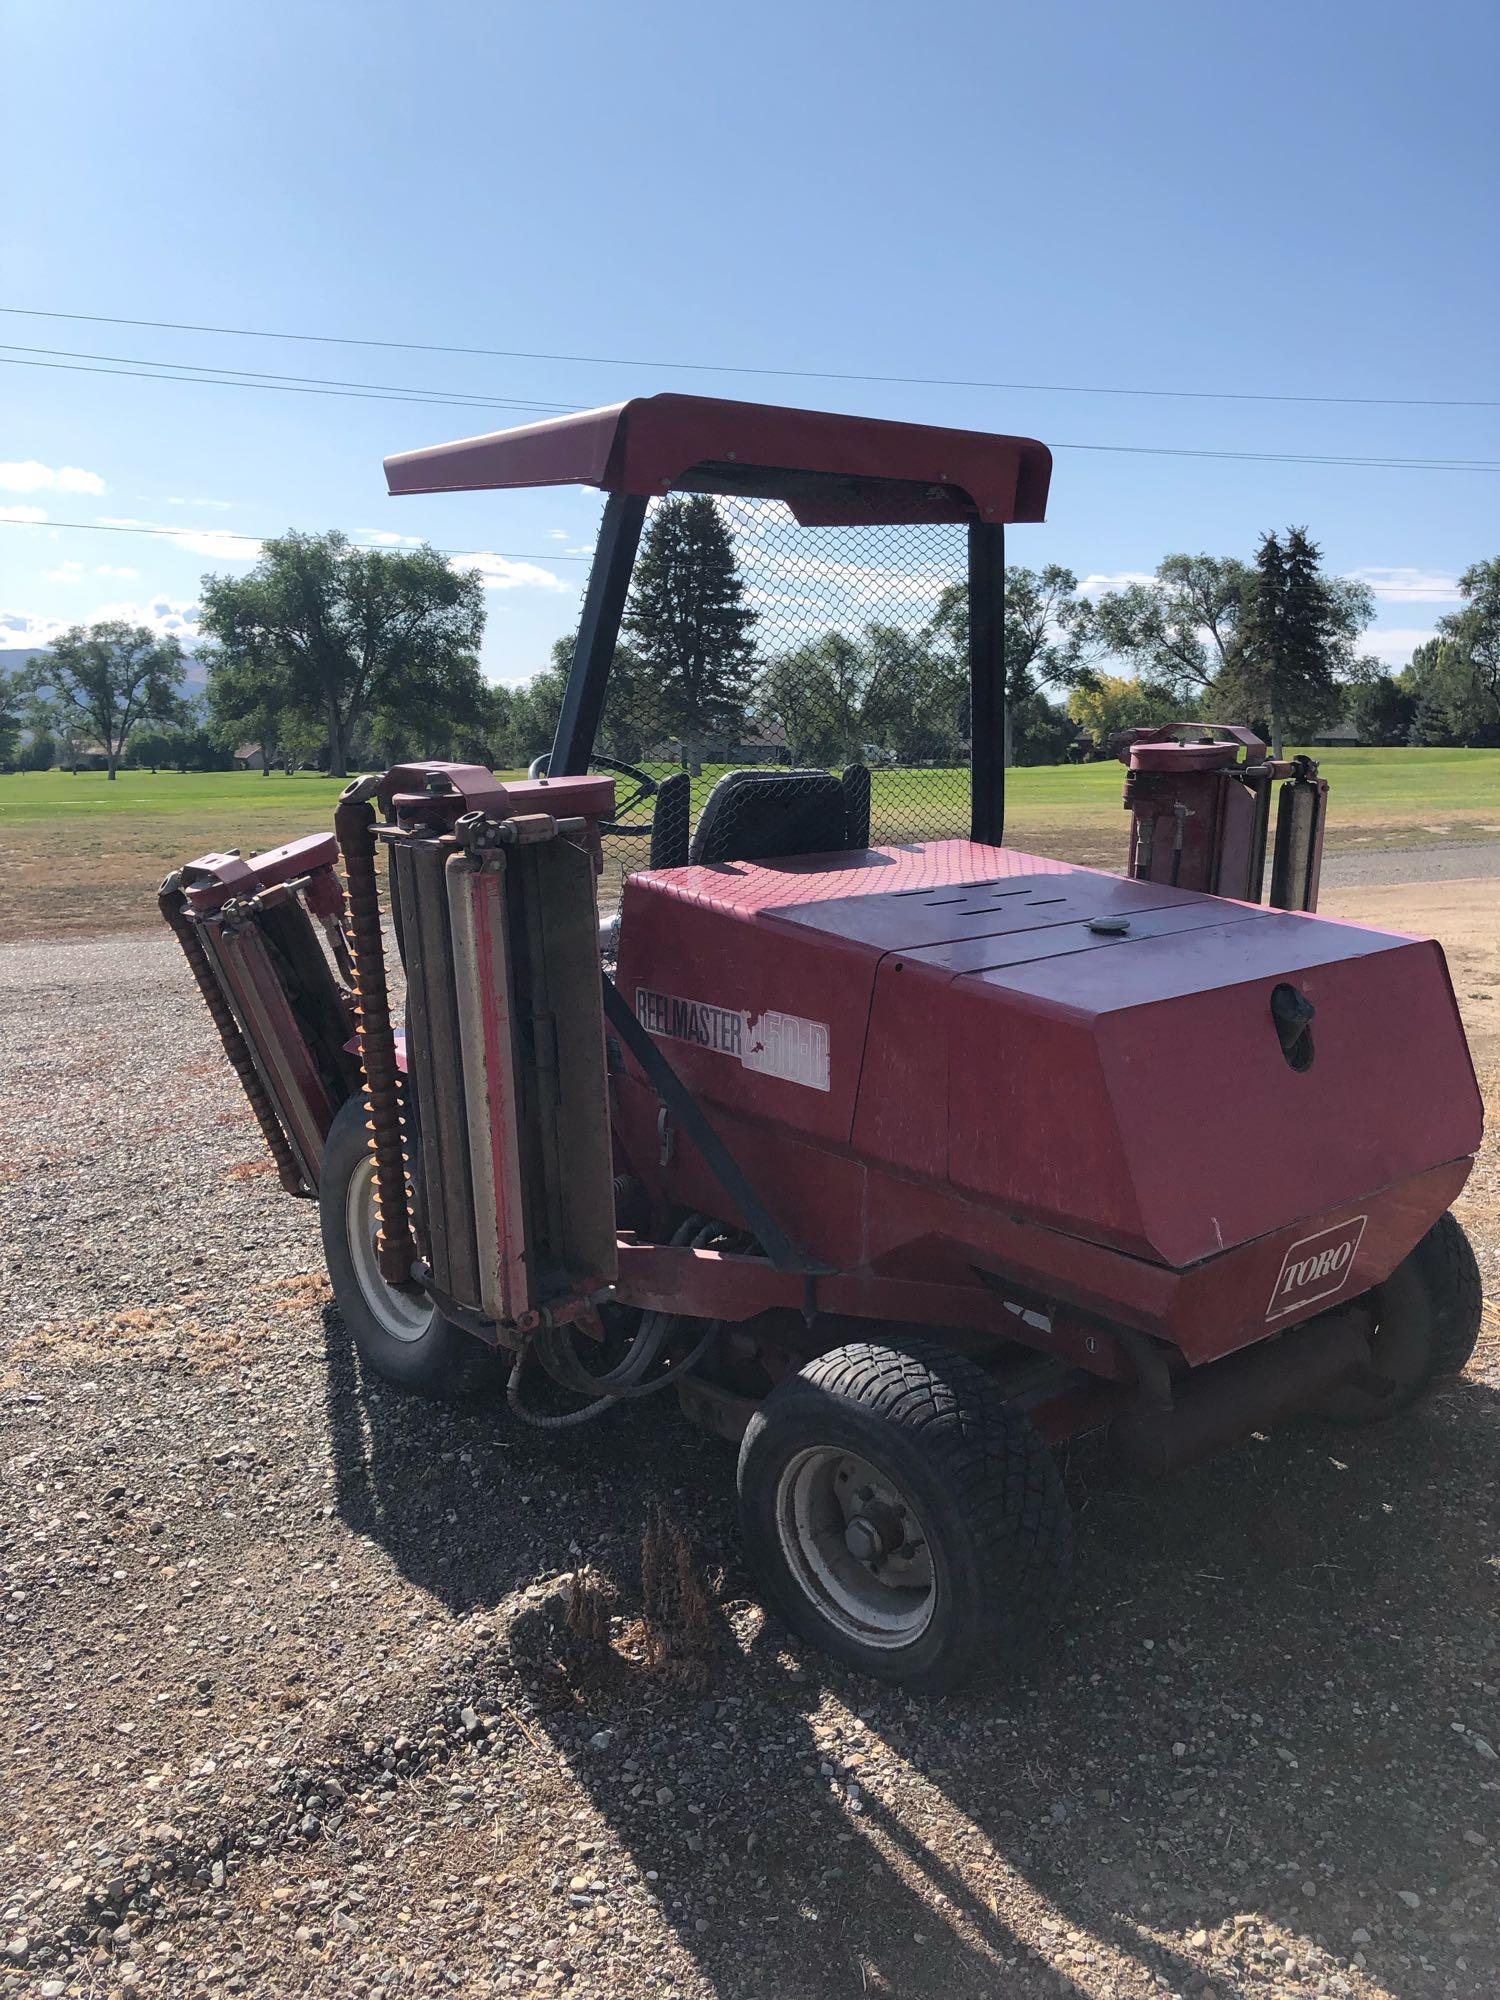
point(81, 855)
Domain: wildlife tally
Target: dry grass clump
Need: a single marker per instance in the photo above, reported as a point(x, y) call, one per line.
point(675, 1628)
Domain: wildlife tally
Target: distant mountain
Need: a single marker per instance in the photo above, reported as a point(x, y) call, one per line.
point(13, 658)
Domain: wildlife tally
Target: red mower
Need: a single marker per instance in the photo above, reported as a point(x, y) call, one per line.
point(896, 1155)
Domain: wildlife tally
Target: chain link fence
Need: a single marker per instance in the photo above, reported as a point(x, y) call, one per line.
point(753, 643)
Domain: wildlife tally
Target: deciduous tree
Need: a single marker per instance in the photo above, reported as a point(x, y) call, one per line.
point(1475, 630)
point(1126, 701)
point(1182, 631)
point(354, 630)
point(1049, 636)
point(108, 679)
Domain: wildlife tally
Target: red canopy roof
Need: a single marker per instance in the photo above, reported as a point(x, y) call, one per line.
point(826, 468)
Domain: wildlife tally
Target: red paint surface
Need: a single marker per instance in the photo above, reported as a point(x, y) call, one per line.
point(1108, 1118)
point(650, 444)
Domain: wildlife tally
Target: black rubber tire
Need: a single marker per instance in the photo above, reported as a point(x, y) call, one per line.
point(988, 1492)
point(1426, 1323)
point(444, 1361)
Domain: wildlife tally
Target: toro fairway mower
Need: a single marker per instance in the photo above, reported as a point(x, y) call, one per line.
point(895, 1155)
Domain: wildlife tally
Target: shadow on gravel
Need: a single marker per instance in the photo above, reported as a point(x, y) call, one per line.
point(1257, 1724)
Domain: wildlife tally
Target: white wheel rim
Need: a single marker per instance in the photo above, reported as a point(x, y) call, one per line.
point(403, 1312)
point(857, 1546)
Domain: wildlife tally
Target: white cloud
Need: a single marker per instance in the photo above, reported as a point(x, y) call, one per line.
point(23, 513)
point(557, 534)
point(501, 573)
point(387, 538)
point(219, 543)
point(1393, 645)
point(29, 475)
point(1409, 586)
point(121, 570)
point(178, 500)
point(25, 628)
point(220, 547)
point(161, 614)
point(66, 572)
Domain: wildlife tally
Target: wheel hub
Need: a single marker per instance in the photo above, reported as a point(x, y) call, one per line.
point(874, 1532)
point(857, 1546)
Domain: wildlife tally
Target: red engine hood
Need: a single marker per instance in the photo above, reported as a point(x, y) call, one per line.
point(1092, 1053)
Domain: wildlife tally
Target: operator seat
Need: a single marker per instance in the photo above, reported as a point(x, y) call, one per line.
point(762, 815)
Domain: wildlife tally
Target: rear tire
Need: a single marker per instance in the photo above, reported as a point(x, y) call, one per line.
point(903, 1516)
point(1426, 1323)
point(398, 1331)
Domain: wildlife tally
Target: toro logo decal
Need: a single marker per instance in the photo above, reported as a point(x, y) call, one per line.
point(1316, 1267)
point(781, 1045)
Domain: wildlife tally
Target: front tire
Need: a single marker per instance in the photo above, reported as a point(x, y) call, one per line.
point(904, 1517)
point(398, 1331)
point(1426, 1323)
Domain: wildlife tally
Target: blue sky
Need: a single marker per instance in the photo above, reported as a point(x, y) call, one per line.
point(1286, 199)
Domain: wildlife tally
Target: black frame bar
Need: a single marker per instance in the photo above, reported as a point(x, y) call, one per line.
point(598, 629)
point(987, 682)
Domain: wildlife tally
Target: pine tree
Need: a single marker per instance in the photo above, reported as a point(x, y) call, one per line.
point(690, 623)
point(1260, 635)
point(1297, 634)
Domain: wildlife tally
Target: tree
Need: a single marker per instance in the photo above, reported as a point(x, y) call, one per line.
point(690, 625)
point(39, 752)
point(817, 693)
point(916, 699)
point(46, 717)
point(251, 697)
point(109, 678)
point(1049, 636)
point(11, 696)
point(1449, 703)
point(1125, 701)
point(1297, 634)
point(1475, 630)
point(353, 630)
point(457, 708)
point(1382, 711)
point(1181, 632)
point(149, 749)
point(1043, 732)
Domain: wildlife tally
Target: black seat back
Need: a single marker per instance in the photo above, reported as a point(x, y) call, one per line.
point(764, 815)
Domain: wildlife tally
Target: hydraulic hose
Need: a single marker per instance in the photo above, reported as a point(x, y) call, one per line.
point(625, 1381)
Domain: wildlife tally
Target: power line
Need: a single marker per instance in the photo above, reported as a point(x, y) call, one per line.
point(242, 535)
point(798, 374)
point(205, 381)
point(264, 377)
point(465, 400)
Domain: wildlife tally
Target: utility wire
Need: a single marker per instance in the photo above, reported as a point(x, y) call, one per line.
point(205, 381)
point(464, 400)
point(798, 374)
point(241, 535)
point(259, 377)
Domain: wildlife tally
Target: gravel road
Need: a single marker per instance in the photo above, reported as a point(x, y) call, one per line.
point(1462, 861)
point(271, 1722)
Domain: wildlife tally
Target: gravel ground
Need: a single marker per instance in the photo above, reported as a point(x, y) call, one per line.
point(1460, 861)
point(272, 1720)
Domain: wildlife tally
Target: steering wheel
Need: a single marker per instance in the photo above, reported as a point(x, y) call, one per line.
point(646, 787)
